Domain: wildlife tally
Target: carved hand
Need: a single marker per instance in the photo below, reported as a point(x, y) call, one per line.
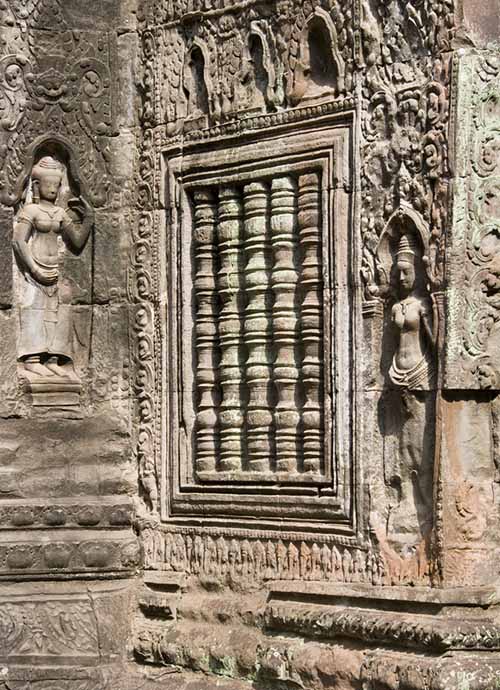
point(81, 207)
point(44, 276)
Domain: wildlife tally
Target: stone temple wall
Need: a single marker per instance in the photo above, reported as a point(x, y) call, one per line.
point(250, 344)
point(68, 471)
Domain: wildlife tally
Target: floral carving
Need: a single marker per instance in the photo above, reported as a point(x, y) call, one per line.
point(72, 99)
point(475, 236)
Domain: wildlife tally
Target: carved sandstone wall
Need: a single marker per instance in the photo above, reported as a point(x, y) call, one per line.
point(249, 351)
point(328, 274)
point(67, 469)
point(288, 152)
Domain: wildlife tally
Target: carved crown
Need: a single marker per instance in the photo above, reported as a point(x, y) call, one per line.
point(47, 166)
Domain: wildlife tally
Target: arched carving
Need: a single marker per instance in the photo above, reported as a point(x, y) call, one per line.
point(53, 145)
point(259, 71)
point(52, 225)
point(273, 93)
point(405, 220)
point(320, 70)
point(196, 81)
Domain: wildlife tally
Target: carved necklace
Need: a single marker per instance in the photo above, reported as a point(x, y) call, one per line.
point(404, 304)
point(50, 212)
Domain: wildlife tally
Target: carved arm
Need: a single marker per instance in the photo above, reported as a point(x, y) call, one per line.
point(430, 330)
point(21, 236)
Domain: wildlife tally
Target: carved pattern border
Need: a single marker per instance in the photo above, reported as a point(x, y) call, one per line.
point(473, 267)
point(81, 554)
point(423, 632)
point(66, 514)
point(248, 557)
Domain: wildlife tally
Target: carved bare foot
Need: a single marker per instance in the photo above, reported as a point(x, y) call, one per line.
point(55, 368)
point(37, 368)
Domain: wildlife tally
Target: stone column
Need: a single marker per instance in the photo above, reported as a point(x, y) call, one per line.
point(257, 327)
point(229, 233)
point(311, 316)
point(284, 282)
point(205, 216)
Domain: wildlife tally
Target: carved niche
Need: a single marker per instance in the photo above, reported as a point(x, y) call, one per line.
point(404, 316)
point(55, 86)
point(52, 225)
point(320, 70)
point(260, 326)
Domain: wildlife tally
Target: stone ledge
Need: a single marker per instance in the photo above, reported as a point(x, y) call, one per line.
point(399, 671)
point(450, 596)
point(378, 626)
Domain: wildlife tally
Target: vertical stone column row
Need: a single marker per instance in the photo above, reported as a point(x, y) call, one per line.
point(284, 278)
point(258, 294)
point(205, 218)
point(229, 235)
point(257, 327)
point(311, 317)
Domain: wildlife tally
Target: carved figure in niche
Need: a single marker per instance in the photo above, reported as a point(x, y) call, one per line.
point(195, 88)
point(407, 406)
point(252, 83)
point(320, 70)
point(412, 366)
point(46, 335)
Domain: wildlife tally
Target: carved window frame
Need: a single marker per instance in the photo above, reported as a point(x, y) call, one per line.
point(324, 144)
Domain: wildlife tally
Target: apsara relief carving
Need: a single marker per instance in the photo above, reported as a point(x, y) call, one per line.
point(43, 229)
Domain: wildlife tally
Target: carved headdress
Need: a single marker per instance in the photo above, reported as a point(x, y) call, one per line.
point(47, 166)
point(408, 248)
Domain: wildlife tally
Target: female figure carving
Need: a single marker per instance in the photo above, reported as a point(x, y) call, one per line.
point(409, 401)
point(45, 343)
point(411, 366)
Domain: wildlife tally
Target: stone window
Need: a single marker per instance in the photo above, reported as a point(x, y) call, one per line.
point(259, 312)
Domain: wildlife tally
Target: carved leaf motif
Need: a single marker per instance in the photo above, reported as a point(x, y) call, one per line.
point(48, 628)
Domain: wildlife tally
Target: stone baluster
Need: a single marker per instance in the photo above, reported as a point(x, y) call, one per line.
point(257, 327)
point(229, 234)
point(311, 317)
point(205, 218)
point(284, 284)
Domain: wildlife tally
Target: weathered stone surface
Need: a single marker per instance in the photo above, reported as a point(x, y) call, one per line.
point(249, 427)
point(480, 21)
